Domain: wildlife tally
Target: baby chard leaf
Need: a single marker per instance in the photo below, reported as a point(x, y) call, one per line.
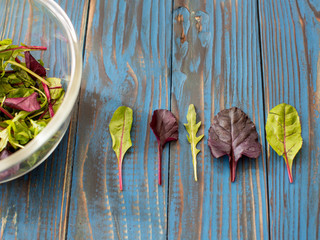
point(120, 127)
point(27, 104)
point(283, 130)
point(192, 128)
point(234, 134)
point(165, 127)
point(34, 66)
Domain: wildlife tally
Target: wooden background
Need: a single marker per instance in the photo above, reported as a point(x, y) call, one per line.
point(150, 54)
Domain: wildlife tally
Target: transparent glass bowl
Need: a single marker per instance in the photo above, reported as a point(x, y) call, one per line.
point(43, 23)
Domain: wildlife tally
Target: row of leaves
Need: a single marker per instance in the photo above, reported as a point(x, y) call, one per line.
point(232, 133)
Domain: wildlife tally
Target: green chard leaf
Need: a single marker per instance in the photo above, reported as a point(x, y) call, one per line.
point(283, 130)
point(37, 126)
point(120, 127)
point(192, 128)
point(56, 90)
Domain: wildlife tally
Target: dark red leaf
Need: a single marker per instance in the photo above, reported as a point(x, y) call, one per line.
point(34, 65)
point(165, 127)
point(28, 104)
point(234, 134)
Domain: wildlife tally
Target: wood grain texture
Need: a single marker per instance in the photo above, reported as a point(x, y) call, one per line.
point(127, 62)
point(290, 37)
point(169, 54)
point(35, 206)
point(216, 65)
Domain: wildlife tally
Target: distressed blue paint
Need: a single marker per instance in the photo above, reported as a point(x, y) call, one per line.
point(128, 58)
point(127, 61)
point(204, 35)
point(182, 50)
point(290, 42)
point(229, 74)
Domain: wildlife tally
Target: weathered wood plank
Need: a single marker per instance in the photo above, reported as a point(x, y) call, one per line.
point(290, 37)
point(127, 62)
point(216, 65)
point(36, 205)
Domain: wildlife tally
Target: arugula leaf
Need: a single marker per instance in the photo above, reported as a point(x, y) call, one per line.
point(234, 134)
point(17, 130)
point(4, 138)
point(192, 128)
point(37, 126)
point(21, 132)
point(283, 130)
point(120, 127)
point(165, 127)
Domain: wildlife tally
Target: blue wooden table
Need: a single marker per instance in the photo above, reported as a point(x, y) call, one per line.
point(150, 54)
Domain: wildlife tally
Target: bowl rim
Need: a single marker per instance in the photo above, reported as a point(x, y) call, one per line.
point(70, 97)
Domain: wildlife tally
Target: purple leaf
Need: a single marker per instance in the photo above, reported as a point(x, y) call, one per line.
point(34, 65)
point(234, 134)
point(47, 92)
point(28, 104)
point(4, 154)
point(165, 127)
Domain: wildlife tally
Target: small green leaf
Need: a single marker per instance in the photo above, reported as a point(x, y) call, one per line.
point(56, 90)
point(120, 127)
point(37, 126)
point(4, 138)
point(192, 128)
point(283, 130)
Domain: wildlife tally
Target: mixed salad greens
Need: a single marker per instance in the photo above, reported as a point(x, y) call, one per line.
point(28, 98)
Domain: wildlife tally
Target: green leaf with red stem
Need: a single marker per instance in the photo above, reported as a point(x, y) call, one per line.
point(283, 130)
point(120, 127)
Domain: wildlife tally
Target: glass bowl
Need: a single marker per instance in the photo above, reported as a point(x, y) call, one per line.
point(43, 23)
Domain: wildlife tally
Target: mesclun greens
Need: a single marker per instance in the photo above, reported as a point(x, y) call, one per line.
point(283, 130)
point(28, 98)
point(192, 128)
point(120, 127)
